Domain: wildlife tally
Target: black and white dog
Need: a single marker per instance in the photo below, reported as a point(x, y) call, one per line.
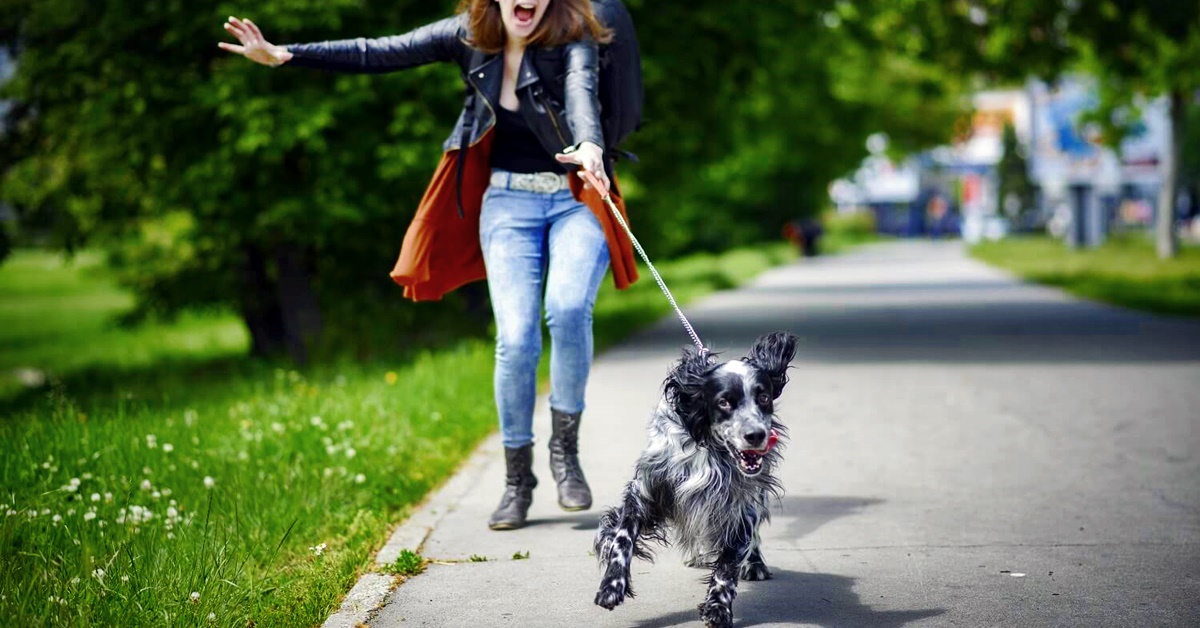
point(706, 475)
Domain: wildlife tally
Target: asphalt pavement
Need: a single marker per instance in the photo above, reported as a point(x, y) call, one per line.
point(966, 450)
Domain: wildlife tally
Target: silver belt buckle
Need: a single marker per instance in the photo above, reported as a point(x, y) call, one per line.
point(540, 182)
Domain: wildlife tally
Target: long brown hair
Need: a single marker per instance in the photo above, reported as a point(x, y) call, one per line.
point(563, 22)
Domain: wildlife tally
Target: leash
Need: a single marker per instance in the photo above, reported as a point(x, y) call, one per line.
point(607, 196)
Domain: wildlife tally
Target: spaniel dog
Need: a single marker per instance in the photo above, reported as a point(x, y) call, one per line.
point(706, 475)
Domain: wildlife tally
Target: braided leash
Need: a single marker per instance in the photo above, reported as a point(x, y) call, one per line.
point(595, 183)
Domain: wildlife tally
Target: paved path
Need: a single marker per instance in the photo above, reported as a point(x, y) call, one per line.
point(951, 429)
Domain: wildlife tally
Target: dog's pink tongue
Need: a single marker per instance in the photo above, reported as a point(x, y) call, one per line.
point(771, 441)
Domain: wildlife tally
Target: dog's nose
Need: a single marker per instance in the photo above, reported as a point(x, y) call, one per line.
point(756, 437)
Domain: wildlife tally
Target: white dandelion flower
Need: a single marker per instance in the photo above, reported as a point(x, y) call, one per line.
point(56, 518)
point(168, 448)
point(95, 497)
point(360, 478)
point(87, 476)
point(98, 574)
point(125, 578)
point(209, 482)
point(89, 515)
point(212, 617)
point(146, 485)
point(151, 441)
point(317, 550)
point(108, 498)
point(351, 452)
point(195, 597)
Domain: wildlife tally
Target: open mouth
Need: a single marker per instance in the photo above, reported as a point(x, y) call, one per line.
point(523, 13)
point(750, 462)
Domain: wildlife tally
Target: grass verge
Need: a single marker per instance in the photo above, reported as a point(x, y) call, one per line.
point(167, 481)
point(1124, 271)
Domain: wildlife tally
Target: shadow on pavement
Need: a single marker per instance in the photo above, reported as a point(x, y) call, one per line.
point(792, 597)
point(581, 521)
point(1014, 331)
point(803, 514)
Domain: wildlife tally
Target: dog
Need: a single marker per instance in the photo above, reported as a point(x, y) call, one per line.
point(706, 475)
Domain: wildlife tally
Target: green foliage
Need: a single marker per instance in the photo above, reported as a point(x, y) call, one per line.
point(1013, 174)
point(207, 175)
point(475, 558)
point(410, 563)
point(1124, 271)
point(521, 555)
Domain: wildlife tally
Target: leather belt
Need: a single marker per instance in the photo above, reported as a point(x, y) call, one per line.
point(539, 182)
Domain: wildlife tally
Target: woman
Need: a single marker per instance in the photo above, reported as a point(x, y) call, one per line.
point(502, 197)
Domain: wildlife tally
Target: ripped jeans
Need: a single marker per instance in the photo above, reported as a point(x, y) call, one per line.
point(535, 245)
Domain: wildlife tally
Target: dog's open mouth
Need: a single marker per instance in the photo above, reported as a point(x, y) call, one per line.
point(750, 462)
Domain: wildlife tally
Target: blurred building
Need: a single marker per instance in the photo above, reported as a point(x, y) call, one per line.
point(954, 188)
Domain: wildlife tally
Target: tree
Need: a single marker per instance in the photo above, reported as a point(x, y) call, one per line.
point(1013, 173)
point(1145, 48)
point(282, 193)
point(285, 193)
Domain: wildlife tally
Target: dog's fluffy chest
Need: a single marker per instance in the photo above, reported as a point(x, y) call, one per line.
point(708, 497)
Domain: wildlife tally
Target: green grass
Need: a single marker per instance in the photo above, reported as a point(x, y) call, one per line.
point(43, 296)
point(163, 463)
point(1124, 271)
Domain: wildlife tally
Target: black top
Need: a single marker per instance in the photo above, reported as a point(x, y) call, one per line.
point(516, 149)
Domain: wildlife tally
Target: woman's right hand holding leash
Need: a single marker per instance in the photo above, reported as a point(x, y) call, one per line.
point(253, 45)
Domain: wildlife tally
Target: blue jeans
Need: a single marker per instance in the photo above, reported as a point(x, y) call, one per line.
point(537, 244)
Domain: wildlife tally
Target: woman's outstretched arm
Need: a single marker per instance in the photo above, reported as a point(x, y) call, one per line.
point(439, 41)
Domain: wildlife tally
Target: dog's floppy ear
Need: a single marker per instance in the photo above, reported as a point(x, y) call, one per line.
point(684, 390)
point(772, 354)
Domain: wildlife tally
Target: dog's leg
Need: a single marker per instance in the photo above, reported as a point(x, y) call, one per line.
point(617, 544)
point(717, 609)
point(755, 568)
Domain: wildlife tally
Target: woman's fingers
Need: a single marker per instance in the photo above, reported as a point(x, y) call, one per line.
point(237, 29)
point(241, 50)
point(254, 31)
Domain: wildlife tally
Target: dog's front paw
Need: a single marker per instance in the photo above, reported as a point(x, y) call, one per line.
point(611, 593)
point(716, 615)
point(755, 571)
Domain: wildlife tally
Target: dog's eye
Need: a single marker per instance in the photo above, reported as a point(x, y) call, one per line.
point(723, 404)
point(763, 399)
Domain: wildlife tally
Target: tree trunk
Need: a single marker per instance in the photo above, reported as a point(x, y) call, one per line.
point(1165, 240)
point(259, 305)
point(300, 309)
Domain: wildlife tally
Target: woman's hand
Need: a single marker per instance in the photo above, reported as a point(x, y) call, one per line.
point(589, 157)
point(254, 47)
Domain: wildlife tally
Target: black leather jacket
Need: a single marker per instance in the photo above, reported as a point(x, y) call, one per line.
point(557, 87)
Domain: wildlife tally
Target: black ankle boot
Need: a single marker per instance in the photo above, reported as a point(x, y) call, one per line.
point(573, 491)
point(518, 489)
